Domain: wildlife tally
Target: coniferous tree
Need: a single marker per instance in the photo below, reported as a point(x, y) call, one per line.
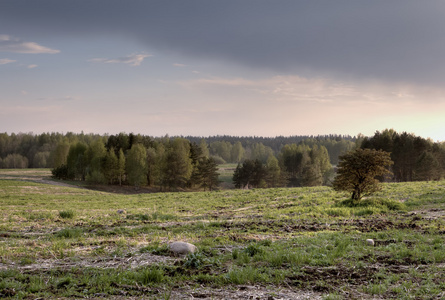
point(208, 173)
point(251, 173)
point(178, 167)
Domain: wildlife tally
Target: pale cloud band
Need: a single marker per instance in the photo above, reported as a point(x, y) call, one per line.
point(133, 60)
point(14, 45)
point(294, 88)
point(5, 61)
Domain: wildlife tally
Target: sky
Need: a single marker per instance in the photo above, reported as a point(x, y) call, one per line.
point(211, 67)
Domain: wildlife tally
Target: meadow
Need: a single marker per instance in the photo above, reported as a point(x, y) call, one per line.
point(287, 243)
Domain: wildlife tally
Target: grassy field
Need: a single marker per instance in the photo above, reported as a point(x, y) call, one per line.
point(65, 242)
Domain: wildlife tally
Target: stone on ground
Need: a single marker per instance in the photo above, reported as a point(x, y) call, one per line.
point(182, 248)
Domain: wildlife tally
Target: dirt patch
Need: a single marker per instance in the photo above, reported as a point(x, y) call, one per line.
point(254, 292)
point(244, 292)
point(132, 262)
point(363, 225)
point(430, 214)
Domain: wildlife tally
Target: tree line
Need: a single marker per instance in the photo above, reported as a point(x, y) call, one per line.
point(27, 150)
point(139, 161)
point(406, 157)
point(414, 158)
point(178, 162)
point(234, 149)
point(295, 165)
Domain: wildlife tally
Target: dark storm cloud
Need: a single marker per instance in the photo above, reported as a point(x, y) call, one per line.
point(392, 40)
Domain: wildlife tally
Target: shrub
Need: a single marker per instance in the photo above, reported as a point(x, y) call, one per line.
point(61, 172)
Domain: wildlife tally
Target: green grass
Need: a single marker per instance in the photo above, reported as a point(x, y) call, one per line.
point(226, 174)
point(66, 242)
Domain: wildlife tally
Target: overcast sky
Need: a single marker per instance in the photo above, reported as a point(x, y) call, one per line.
point(233, 67)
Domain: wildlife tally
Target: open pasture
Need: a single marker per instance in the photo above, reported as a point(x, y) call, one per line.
point(299, 243)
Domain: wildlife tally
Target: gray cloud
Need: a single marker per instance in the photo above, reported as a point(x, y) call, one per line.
point(14, 45)
point(401, 40)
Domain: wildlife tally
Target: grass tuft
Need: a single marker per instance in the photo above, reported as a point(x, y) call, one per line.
point(66, 214)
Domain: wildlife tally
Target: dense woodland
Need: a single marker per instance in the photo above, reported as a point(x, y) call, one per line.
point(191, 162)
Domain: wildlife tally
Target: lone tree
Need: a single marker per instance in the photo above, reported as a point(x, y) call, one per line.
point(359, 170)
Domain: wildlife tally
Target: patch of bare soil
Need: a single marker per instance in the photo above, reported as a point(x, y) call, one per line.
point(178, 292)
point(58, 183)
point(254, 292)
point(131, 262)
point(430, 214)
point(122, 189)
point(364, 225)
point(244, 292)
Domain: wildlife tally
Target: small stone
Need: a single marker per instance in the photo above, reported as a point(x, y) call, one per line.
point(182, 248)
point(370, 242)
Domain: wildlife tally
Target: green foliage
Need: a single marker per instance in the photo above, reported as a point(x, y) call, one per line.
point(237, 152)
point(415, 158)
point(60, 154)
point(249, 174)
point(305, 166)
point(77, 161)
point(94, 156)
point(357, 172)
point(41, 160)
point(195, 260)
point(156, 249)
point(274, 175)
point(69, 233)
point(15, 161)
point(110, 166)
point(150, 275)
point(60, 172)
point(253, 249)
point(136, 165)
point(66, 214)
point(204, 169)
point(177, 168)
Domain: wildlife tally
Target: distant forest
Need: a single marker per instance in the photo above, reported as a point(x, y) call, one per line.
point(28, 150)
point(191, 162)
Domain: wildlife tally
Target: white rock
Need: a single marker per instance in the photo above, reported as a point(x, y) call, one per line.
point(182, 248)
point(370, 242)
